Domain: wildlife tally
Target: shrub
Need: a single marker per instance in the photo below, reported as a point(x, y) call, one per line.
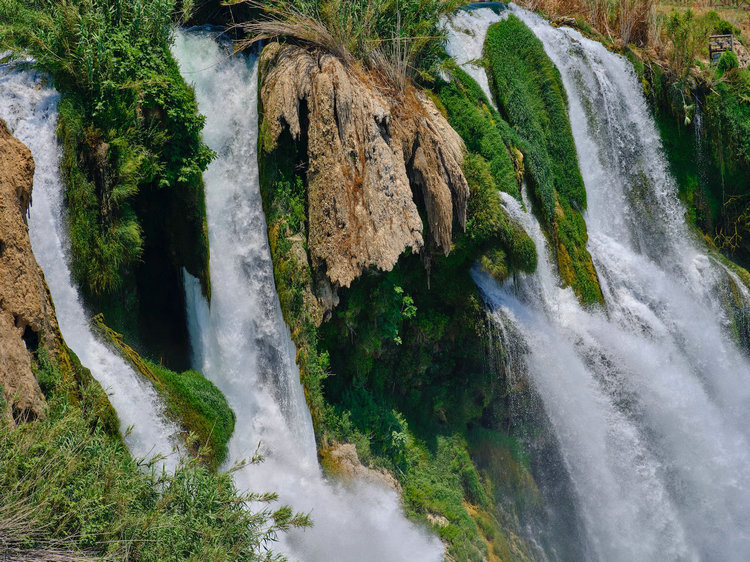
point(127, 120)
point(69, 490)
point(728, 61)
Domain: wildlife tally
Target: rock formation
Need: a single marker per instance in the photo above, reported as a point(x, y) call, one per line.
point(367, 150)
point(342, 460)
point(27, 318)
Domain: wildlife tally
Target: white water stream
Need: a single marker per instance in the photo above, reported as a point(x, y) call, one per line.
point(242, 344)
point(30, 109)
point(650, 398)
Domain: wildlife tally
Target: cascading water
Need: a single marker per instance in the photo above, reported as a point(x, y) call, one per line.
point(648, 398)
point(30, 109)
point(242, 344)
point(466, 32)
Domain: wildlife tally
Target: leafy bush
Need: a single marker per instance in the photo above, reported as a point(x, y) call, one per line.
point(728, 61)
point(686, 35)
point(127, 120)
point(69, 488)
point(720, 26)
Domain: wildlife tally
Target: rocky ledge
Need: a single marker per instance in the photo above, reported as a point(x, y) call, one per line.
point(375, 158)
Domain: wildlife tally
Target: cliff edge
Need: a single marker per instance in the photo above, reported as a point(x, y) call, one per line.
point(373, 157)
point(27, 317)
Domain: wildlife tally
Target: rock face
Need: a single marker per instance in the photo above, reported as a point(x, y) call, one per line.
point(366, 150)
point(343, 461)
point(27, 318)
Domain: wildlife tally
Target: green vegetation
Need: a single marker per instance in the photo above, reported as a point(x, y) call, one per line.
point(400, 367)
point(399, 38)
point(200, 406)
point(528, 89)
point(132, 152)
point(191, 399)
point(70, 490)
point(711, 164)
point(471, 115)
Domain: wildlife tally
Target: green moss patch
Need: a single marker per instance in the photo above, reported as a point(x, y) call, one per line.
point(529, 91)
point(191, 399)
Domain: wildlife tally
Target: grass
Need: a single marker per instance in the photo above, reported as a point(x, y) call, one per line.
point(398, 39)
point(191, 399)
point(69, 490)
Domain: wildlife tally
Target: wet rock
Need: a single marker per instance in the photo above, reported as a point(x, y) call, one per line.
point(343, 462)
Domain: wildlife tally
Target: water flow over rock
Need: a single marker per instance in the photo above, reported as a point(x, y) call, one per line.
point(242, 344)
point(30, 109)
point(650, 399)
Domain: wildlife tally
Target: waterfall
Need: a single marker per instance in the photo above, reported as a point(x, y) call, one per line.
point(466, 32)
point(648, 398)
point(242, 344)
point(30, 109)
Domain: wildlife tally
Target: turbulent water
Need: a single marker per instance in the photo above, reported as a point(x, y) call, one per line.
point(650, 397)
point(30, 109)
point(242, 344)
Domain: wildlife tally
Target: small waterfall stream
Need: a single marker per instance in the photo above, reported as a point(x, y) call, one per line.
point(242, 344)
point(649, 398)
point(30, 109)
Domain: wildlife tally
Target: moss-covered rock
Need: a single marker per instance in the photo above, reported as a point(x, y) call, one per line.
point(529, 91)
point(407, 348)
point(192, 400)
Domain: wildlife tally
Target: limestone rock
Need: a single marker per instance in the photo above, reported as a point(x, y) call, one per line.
point(342, 459)
point(743, 57)
point(27, 318)
point(366, 150)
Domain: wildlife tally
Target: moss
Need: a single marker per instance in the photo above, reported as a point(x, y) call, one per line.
point(192, 400)
point(573, 259)
point(469, 113)
point(488, 224)
point(529, 90)
point(200, 406)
